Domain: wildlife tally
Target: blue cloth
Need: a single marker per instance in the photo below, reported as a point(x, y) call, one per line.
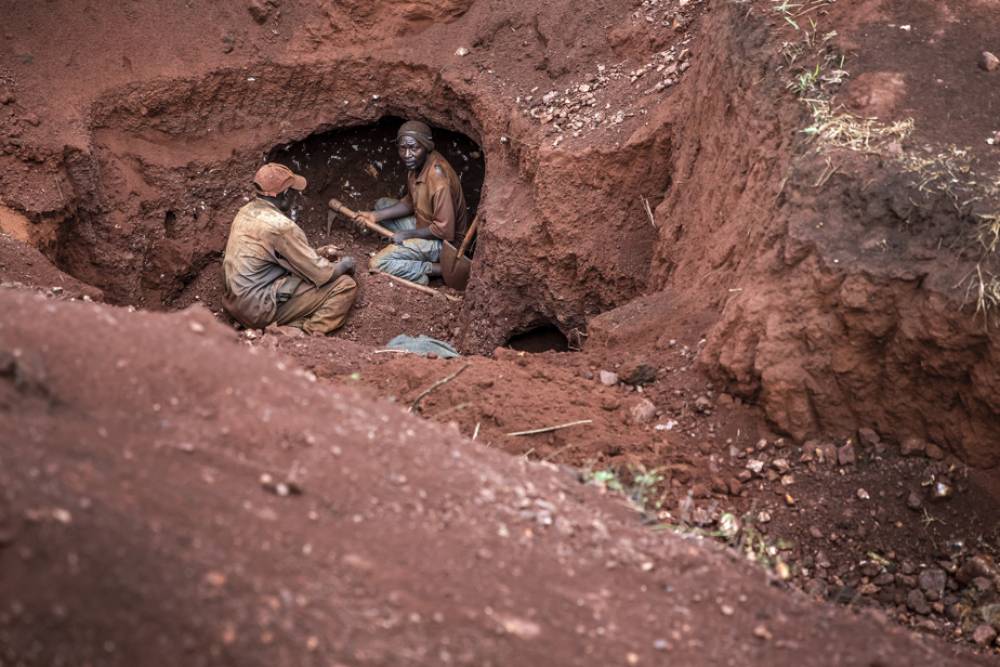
point(422, 345)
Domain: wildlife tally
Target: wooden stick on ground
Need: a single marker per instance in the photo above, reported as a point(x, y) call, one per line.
point(445, 380)
point(549, 429)
point(420, 288)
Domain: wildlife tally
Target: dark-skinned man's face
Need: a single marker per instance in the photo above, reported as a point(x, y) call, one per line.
point(411, 153)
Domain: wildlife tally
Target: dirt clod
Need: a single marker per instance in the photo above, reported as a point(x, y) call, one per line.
point(984, 635)
point(988, 61)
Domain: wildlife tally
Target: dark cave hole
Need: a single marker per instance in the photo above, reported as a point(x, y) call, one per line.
point(545, 338)
point(170, 224)
point(360, 164)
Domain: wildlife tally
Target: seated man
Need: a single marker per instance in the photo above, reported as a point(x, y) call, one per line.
point(272, 274)
point(433, 210)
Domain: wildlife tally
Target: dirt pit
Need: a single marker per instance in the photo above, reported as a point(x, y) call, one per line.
point(661, 318)
point(359, 165)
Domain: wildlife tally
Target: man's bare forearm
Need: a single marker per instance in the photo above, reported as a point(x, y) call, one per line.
point(399, 210)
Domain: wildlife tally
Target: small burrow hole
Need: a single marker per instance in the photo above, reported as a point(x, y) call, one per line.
point(545, 338)
point(170, 224)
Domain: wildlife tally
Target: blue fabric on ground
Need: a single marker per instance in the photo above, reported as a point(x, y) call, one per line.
point(422, 345)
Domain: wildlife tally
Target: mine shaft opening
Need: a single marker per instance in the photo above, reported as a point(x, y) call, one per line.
point(544, 338)
point(359, 165)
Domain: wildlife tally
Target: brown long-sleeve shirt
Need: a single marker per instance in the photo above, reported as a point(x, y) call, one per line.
point(267, 258)
point(437, 200)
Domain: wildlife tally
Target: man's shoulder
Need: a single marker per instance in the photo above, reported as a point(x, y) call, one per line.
point(262, 213)
point(441, 172)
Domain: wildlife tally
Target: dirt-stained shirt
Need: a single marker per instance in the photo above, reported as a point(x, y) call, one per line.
point(437, 200)
point(267, 258)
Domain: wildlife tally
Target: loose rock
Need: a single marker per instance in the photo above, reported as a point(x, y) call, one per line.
point(643, 411)
point(607, 378)
point(988, 61)
point(868, 437)
point(912, 447)
point(984, 635)
point(917, 602)
point(638, 373)
point(846, 455)
point(934, 452)
point(932, 582)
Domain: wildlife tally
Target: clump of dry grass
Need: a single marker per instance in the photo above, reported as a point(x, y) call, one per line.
point(839, 129)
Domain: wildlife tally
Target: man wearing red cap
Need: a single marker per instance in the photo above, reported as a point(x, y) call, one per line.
point(432, 212)
point(272, 274)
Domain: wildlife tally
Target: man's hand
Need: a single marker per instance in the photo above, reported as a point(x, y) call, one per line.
point(365, 217)
point(329, 251)
point(346, 266)
point(399, 237)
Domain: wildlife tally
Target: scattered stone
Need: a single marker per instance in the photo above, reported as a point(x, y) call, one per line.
point(870, 568)
point(761, 632)
point(942, 490)
point(755, 466)
point(846, 455)
point(913, 501)
point(815, 532)
point(955, 612)
point(934, 452)
point(984, 635)
point(990, 614)
point(461, 52)
point(868, 437)
point(816, 588)
point(703, 405)
point(917, 602)
point(283, 489)
point(980, 565)
point(912, 447)
point(228, 43)
point(7, 98)
point(863, 495)
point(982, 584)
point(643, 411)
point(638, 373)
point(988, 61)
point(729, 525)
point(735, 486)
point(781, 465)
point(764, 517)
point(700, 491)
point(607, 378)
point(826, 453)
point(932, 582)
point(261, 10)
point(31, 119)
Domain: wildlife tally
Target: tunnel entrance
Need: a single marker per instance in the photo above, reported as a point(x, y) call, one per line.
point(358, 165)
point(545, 338)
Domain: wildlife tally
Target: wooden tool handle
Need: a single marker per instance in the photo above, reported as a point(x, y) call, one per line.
point(338, 207)
point(469, 235)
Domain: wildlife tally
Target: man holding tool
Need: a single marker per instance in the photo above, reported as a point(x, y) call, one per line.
point(433, 211)
point(272, 274)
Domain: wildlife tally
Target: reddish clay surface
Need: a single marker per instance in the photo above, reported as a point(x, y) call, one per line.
point(793, 328)
point(137, 481)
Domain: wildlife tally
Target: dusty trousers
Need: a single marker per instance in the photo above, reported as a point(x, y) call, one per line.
point(318, 310)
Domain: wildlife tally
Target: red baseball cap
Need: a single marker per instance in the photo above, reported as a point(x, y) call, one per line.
point(272, 179)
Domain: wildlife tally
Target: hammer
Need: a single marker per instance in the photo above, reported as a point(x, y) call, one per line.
point(337, 207)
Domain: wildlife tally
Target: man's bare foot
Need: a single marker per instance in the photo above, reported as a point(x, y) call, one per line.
point(435, 271)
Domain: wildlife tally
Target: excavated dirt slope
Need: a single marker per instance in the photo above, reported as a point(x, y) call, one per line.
point(764, 231)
